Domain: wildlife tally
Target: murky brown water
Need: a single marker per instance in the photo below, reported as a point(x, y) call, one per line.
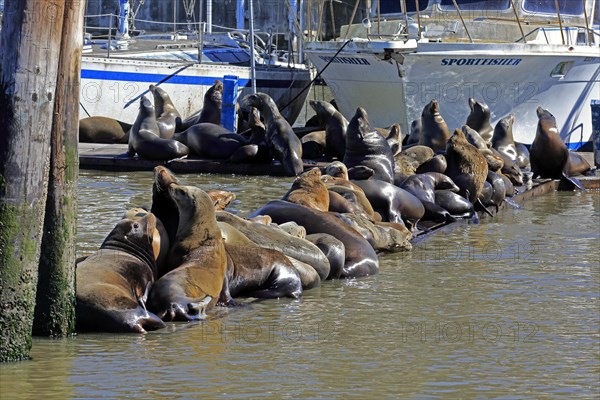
point(509, 308)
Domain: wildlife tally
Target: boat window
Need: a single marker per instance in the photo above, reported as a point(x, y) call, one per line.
point(472, 5)
point(549, 6)
point(393, 7)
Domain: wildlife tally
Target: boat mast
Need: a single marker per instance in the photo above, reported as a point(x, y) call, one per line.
point(239, 15)
point(209, 16)
point(252, 61)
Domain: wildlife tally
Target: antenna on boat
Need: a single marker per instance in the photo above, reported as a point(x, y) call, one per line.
point(562, 34)
point(200, 35)
point(252, 61)
point(209, 16)
point(587, 23)
point(462, 20)
point(512, 4)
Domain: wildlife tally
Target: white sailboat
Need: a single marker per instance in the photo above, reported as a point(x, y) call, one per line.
point(116, 72)
point(514, 55)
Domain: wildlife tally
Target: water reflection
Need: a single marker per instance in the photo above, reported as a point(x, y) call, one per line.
point(507, 308)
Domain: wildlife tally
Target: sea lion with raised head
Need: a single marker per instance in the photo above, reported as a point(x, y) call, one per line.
point(145, 141)
point(365, 146)
point(281, 139)
point(167, 117)
point(308, 190)
point(435, 132)
point(479, 120)
point(335, 125)
point(113, 283)
point(211, 107)
point(198, 253)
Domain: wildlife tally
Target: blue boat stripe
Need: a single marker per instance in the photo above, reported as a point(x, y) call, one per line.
point(185, 79)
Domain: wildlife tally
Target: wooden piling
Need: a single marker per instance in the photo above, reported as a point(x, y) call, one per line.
point(55, 297)
point(29, 52)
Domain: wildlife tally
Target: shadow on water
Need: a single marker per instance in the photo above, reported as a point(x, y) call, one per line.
point(505, 308)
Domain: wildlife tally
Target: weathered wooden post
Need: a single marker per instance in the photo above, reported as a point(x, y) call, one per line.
point(55, 298)
point(29, 51)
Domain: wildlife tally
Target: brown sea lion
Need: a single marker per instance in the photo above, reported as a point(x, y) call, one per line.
point(435, 131)
point(365, 146)
point(163, 206)
point(103, 130)
point(335, 125)
point(167, 117)
point(577, 164)
point(113, 283)
point(308, 190)
point(467, 167)
point(199, 254)
point(221, 198)
point(381, 237)
point(479, 120)
point(144, 139)
point(360, 258)
point(274, 238)
point(281, 139)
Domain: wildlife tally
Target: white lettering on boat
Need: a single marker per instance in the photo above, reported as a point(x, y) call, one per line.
point(346, 60)
point(480, 61)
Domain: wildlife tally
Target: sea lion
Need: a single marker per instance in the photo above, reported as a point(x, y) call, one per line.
point(498, 190)
point(394, 139)
point(163, 206)
point(416, 132)
point(308, 190)
point(577, 165)
point(281, 139)
point(211, 108)
point(293, 229)
point(523, 156)
point(113, 283)
point(274, 238)
point(436, 164)
point(423, 187)
point(333, 249)
point(435, 131)
point(367, 147)
point(474, 138)
point(198, 252)
point(103, 130)
point(167, 117)
point(254, 271)
point(212, 141)
point(479, 120)
point(341, 204)
point(504, 144)
point(313, 145)
point(467, 167)
point(144, 139)
point(335, 125)
point(393, 203)
point(360, 258)
point(419, 154)
point(220, 198)
point(454, 203)
point(381, 237)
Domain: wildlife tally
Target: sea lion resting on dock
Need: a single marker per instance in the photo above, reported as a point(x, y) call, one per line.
point(103, 130)
point(145, 141)
point(113, 283)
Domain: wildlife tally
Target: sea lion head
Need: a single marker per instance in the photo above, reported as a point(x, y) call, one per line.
point(163, 179)
point(259, 100)
point(479, 108)
point(221, 198)
point(337, 169)
point(135, 236)
point(432, 108)
point(146, 106)
point(323, 109)
point(547, 121)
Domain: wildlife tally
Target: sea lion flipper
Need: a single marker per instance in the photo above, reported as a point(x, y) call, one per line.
point(571, 182)
point(513, 203)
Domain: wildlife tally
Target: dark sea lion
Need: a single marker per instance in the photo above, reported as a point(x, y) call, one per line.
point(549, 155)
point(198, 253)
point(479, 120)
point(211, 108)
point(335, 125)
point(313, 145)
point(522, 156)
point(113, 283)
point(394, 139)
point(577, 165)
point(467, 167)
point(103, 130)
point(333, 249)
point(360, 258)
point(486, 194)
point(416, 132)
point(393, 203)
point(498, 189)
point(365, 146)
point(456, 204)
point(420, 154)
point(436, 164)
point(167, 117)
point(508, 185)
point(340, 204)
point(254, 271)
point(435, 131)
point(212, 141)
point(144, 139)
point(474, 138)
point(308, 190)
point(274, 238)
point(361, 172)
point(281, 139)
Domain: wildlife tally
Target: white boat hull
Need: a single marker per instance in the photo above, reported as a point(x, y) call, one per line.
point(512, 79)
point(113, 86)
